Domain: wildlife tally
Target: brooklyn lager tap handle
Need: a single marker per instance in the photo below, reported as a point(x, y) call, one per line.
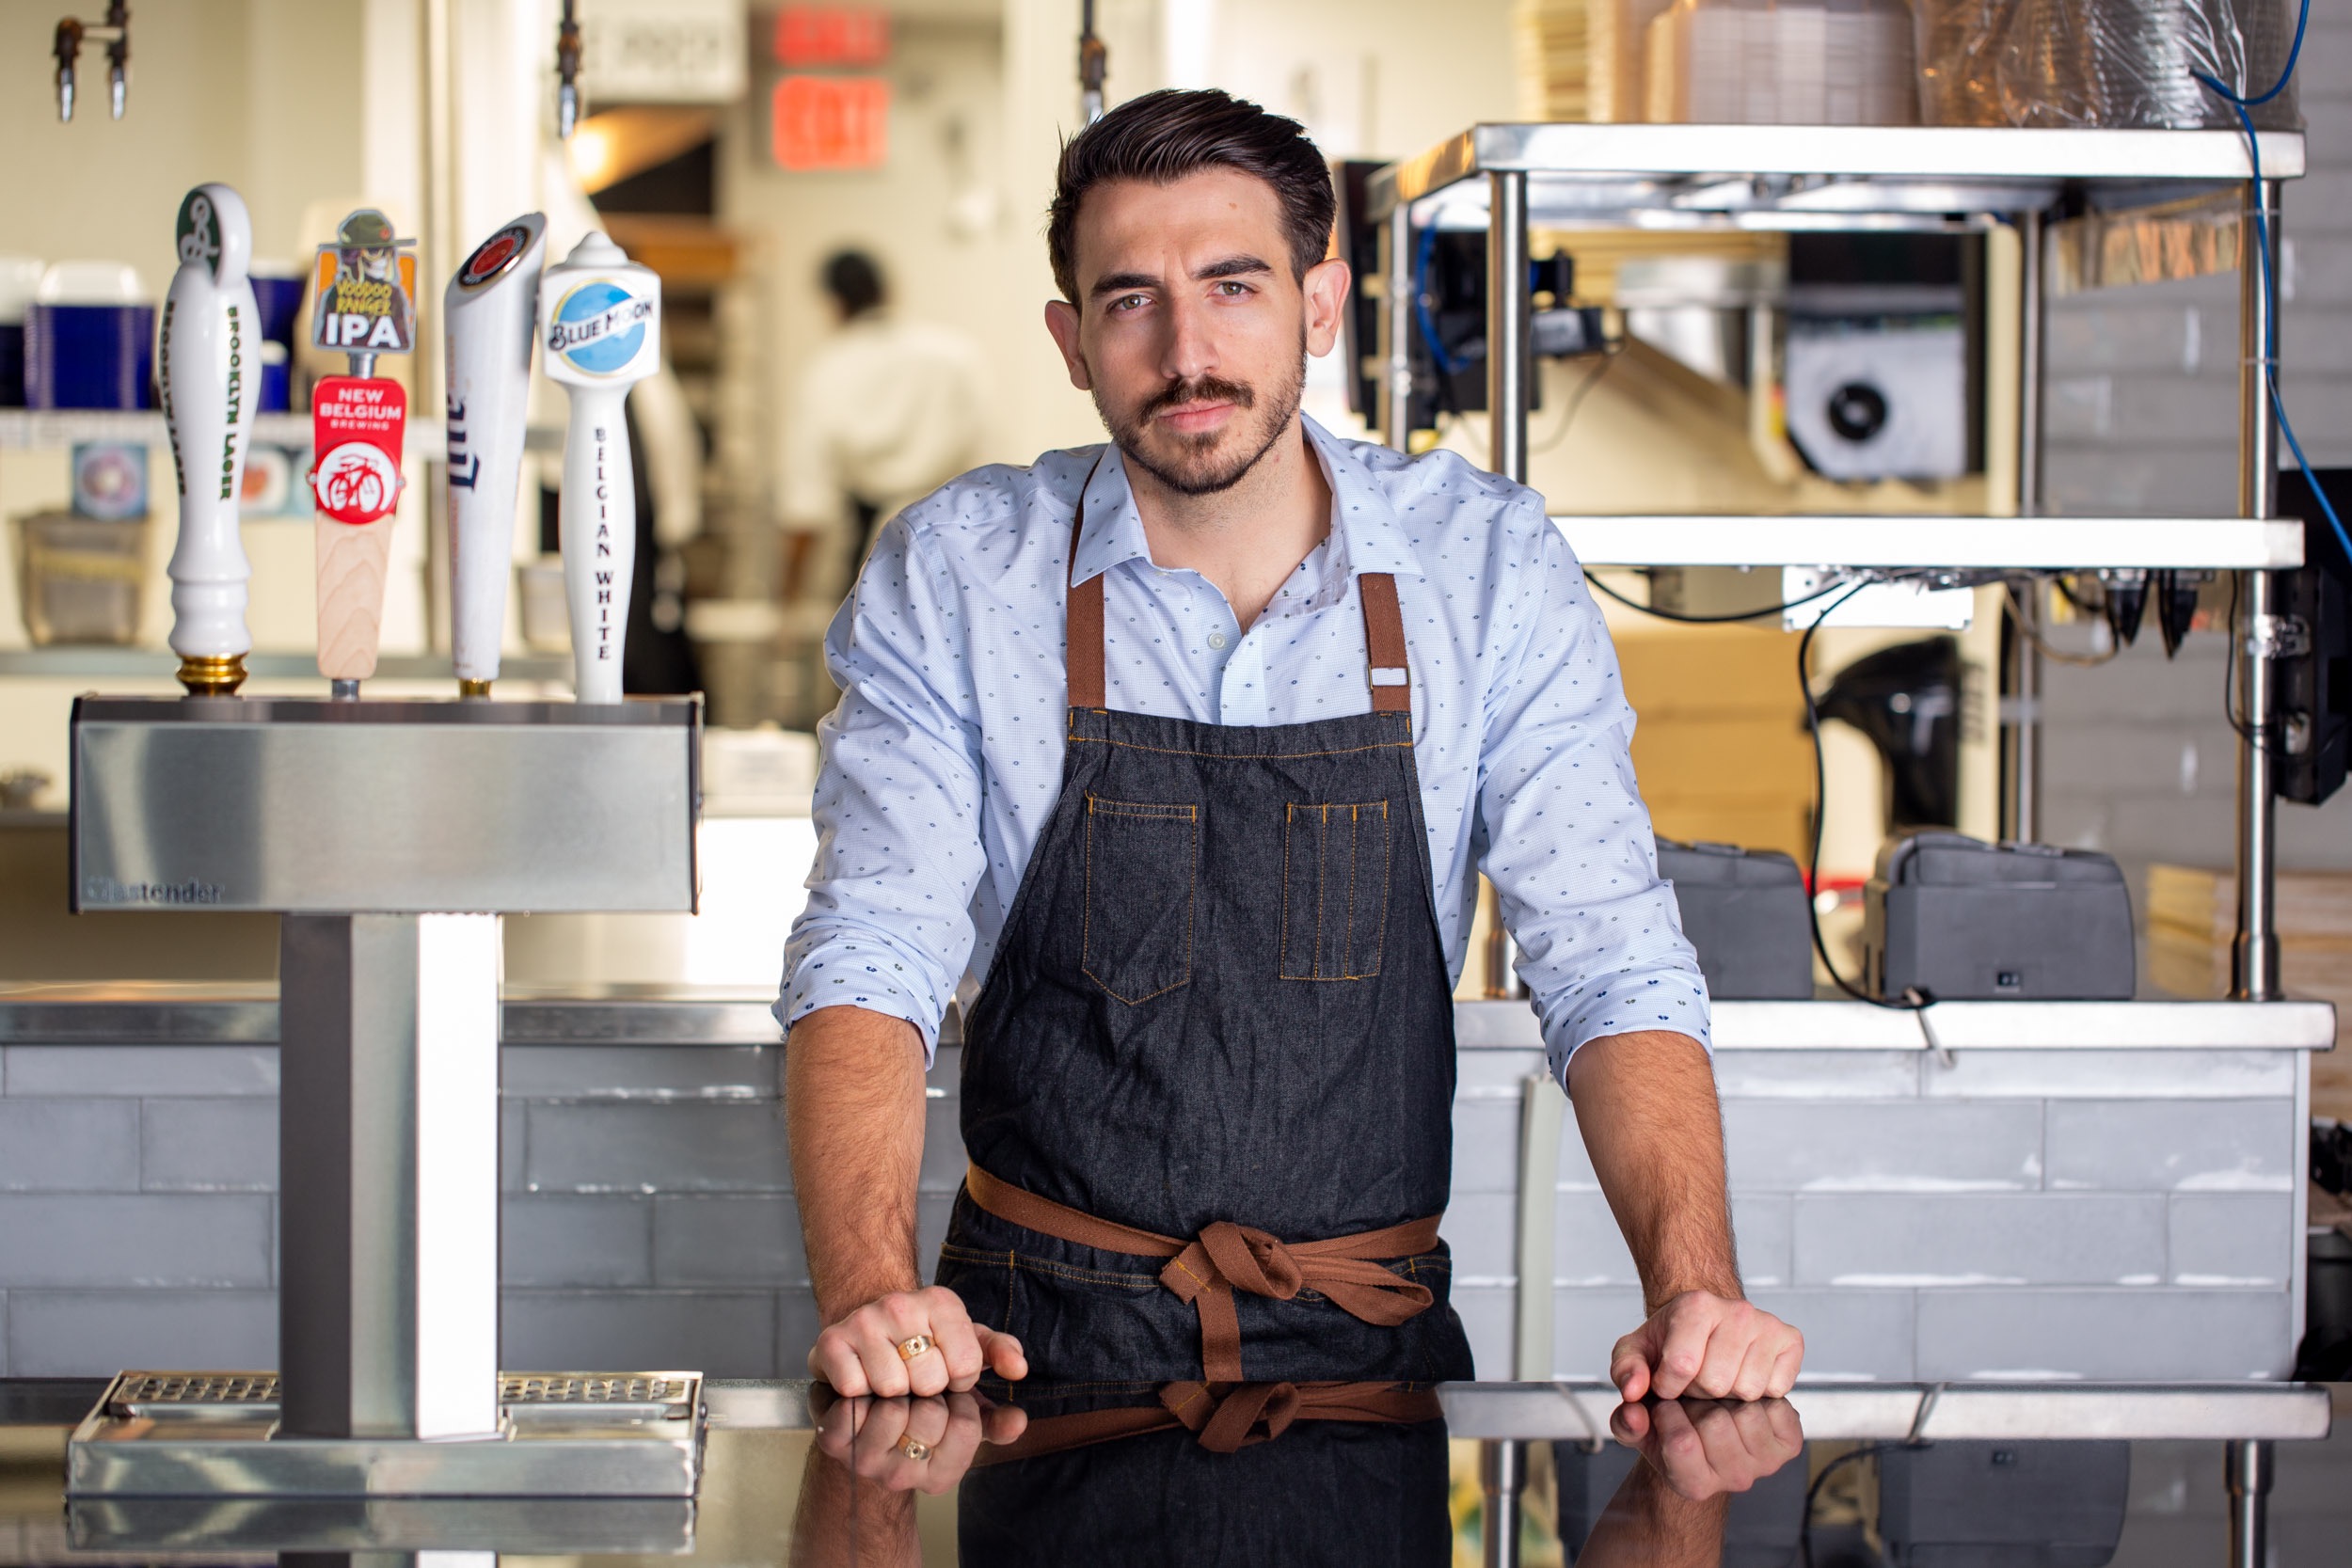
point(211, 376)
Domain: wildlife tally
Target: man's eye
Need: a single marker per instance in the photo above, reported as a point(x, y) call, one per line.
point(1233, 289)
point(1129, 302)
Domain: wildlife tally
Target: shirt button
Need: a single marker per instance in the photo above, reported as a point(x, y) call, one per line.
point(1216, 640)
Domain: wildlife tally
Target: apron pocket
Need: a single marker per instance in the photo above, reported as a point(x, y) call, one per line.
point(1140, 865)
point(1335, 890)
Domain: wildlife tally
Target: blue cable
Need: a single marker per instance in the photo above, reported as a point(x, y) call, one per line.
point(2240, 105)
point(1424, 253)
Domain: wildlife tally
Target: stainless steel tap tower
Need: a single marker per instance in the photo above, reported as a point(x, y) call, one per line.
point(389, 837)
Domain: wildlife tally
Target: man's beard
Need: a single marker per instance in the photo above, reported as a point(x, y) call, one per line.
point(1195, 467)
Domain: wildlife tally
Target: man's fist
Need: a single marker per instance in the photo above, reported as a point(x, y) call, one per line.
point(1710, 1347)
point(860, 1355)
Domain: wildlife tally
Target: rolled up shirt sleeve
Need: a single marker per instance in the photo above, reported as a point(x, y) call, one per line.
point(888, 925)
point(1562, 832)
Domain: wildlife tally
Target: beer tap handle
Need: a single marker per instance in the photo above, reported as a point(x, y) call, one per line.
point(600, 318)
point(489, 314)
point(365, 306)
point(67, 49)
point(211, 375)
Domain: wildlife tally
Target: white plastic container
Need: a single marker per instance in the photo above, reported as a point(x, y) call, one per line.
point(1782, 62)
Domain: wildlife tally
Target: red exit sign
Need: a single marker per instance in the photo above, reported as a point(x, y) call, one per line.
point(831, 35)
point(824, 122)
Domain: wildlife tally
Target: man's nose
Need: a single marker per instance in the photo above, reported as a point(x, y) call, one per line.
point(1191, 349)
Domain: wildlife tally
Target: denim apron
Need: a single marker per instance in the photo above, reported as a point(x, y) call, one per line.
point(1208, 1083)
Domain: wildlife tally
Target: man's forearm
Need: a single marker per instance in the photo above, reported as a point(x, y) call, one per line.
point(1645, 1103)
point(853, 1113)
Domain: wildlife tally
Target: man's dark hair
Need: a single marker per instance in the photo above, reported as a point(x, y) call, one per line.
point(855, 281)
point(1163, 136)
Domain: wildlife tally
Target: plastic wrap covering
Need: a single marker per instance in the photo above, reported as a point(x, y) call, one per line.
point(1782, 62)
point(2102, 62)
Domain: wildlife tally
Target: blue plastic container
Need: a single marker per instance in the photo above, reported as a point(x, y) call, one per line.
point(277, 290)
point(89, 355)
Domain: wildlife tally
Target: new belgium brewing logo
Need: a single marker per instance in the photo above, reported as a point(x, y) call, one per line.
point(599, 327)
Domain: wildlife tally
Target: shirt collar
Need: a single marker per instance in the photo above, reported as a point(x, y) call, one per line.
point(1365, 533)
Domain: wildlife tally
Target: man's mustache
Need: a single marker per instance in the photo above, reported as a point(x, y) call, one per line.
point(1207, 389)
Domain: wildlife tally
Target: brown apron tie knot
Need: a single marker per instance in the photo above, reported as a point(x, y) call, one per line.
point(1234, 1256)
point(1205, 1271)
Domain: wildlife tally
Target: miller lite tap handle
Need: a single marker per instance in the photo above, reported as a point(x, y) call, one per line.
point(365, 305)
point(489, 314)
point(600, 318)
point(211, 379)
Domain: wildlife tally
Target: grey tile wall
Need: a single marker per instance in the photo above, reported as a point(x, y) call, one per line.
point(96, 1333)
point(88, 1146)
point(2231, 1239)
point(1910, 1217)
point(197, 1145)
point(1884, 1145)
point(2137, 760)
point(2102, 1335)
point(1932, 1239)
point(2227, 1146)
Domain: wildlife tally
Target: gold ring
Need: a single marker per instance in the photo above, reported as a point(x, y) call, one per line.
point(913, 1447)
point(910, 1349)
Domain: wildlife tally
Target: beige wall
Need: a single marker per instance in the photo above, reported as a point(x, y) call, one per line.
point(1370, 76)
point(255, 92)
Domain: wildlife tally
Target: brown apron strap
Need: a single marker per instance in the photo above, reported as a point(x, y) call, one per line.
point(1384, 641)
point(1206, 1271)
point(1082, 641)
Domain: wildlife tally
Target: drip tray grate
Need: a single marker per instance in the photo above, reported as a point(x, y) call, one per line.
point(137, 1394)
point(593, 1389)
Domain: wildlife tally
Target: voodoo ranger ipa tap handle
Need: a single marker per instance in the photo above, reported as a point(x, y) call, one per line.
point(600, 318)
point(211, 373)
point(365, 306)
point(489, 314)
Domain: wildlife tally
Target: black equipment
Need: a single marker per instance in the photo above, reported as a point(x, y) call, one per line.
point(1744, 912)
point(1906, 701)
point(2315, 667)
point(1447, 274)
point(2003, 1505)
point(1962, 920)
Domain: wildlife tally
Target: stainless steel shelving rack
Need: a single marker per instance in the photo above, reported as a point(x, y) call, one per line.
point(1507, 178)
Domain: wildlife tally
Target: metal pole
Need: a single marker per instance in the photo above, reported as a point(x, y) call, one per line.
point(1503, 1471)
point(2023, 773)
point(2246, 1469)
point(1396, 324)
point(1507, 326)
point(2254, 960)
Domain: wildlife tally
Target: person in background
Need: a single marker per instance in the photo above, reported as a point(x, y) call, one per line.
point(887, 410)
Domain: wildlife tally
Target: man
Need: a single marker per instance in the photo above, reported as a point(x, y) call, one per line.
point(885, 410)
point(1215, 861)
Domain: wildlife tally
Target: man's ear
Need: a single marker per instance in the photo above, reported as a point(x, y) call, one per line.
point(1061, 319)
point(1325, 290)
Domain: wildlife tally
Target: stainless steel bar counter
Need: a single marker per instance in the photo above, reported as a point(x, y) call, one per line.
point(2132, 1474)
point(1995, 1193)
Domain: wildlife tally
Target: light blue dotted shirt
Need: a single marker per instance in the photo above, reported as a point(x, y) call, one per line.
point(943, 762)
